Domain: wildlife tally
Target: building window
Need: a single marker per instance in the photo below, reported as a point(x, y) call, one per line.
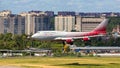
point(23, 21)
point(6, 24)
point(16, 22)
point(5, 30)
point(15, 30)
point(15, 26)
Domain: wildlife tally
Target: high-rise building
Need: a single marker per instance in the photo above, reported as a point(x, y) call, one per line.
point(29, 24)
point(97, 14)
point(14, 24)
point(49, 13)
point(65, 13)
point(82, 14)
point(66, 23)
point(36, 21)
point(42, 23)
point(84, 24)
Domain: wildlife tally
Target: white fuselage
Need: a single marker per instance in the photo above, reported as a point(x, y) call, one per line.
point(52, 35)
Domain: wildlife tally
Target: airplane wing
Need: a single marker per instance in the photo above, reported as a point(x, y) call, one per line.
point(65, 38)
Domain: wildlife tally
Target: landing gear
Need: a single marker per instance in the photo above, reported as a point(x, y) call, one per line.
point(66, 46)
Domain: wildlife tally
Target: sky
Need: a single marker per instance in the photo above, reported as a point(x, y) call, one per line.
point(17, 6)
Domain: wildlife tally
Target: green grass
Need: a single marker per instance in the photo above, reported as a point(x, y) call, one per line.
point(62, 62)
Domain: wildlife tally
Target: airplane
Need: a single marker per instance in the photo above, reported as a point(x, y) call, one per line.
point(69, 37)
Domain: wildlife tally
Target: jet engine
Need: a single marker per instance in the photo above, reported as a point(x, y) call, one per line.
point(69, 41)
point(86, 39)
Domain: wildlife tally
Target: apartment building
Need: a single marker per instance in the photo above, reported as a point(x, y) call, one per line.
point(66, 23)
point(12, 24)
point(84, 24)
point(36, 21)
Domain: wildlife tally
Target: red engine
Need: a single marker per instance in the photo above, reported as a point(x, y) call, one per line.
point(86, 39)
point(69, 41)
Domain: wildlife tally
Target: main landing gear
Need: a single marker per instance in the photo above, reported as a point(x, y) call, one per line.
point(66, 46)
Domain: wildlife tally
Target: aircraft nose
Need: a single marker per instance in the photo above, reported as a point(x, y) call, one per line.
point(33, 36)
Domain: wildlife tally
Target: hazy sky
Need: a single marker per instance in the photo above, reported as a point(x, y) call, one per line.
point(17, 6)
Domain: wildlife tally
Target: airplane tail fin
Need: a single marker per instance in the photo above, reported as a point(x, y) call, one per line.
point(101, 28)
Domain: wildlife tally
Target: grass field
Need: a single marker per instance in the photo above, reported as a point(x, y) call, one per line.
point(62, 62)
